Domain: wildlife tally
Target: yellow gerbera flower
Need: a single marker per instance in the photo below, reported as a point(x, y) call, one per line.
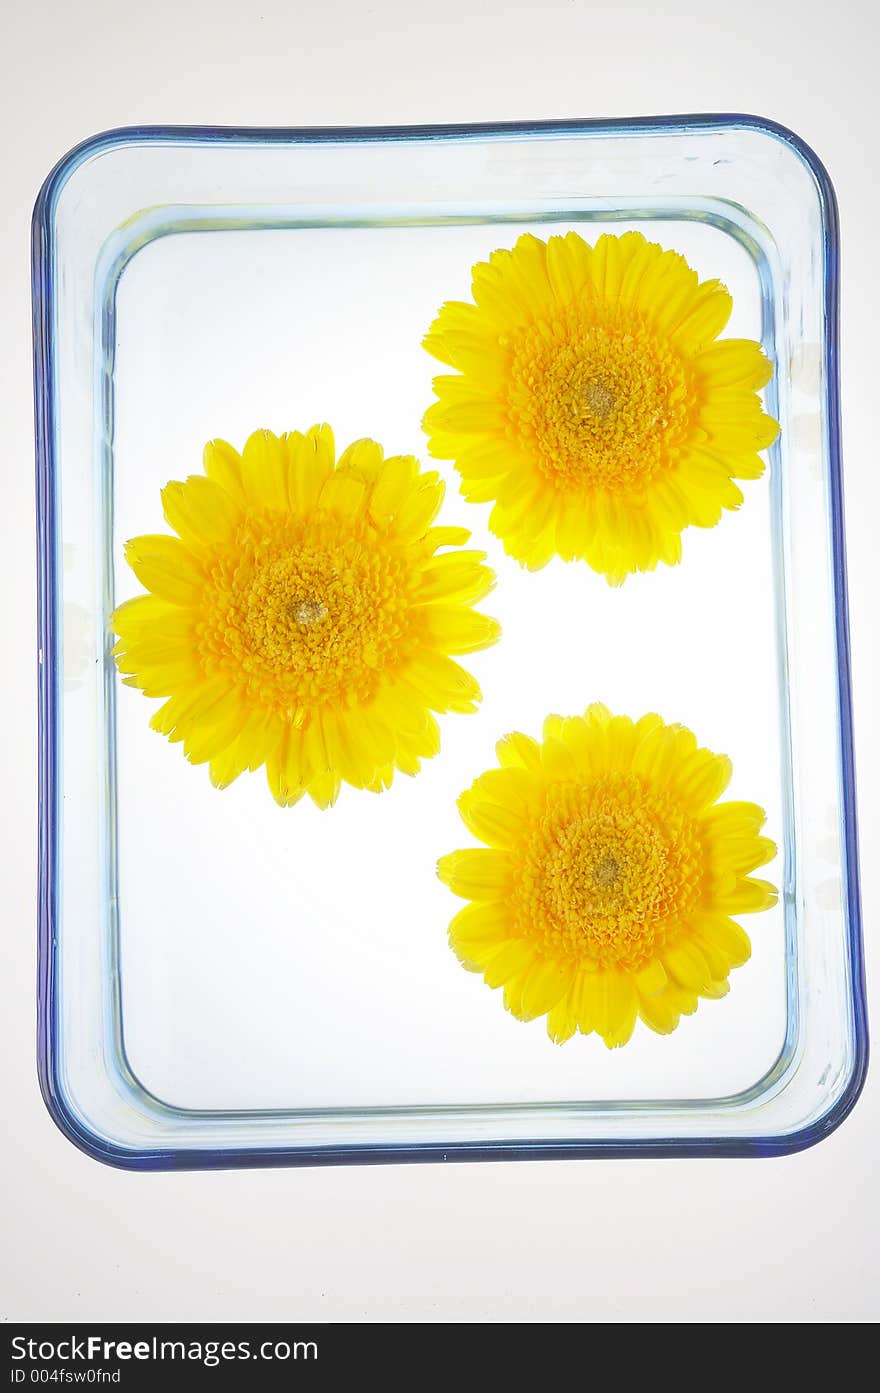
point(610, 873)
point(593, 403)
point(304, 616)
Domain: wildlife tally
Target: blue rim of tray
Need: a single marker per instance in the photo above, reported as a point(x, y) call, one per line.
point(164, 1158)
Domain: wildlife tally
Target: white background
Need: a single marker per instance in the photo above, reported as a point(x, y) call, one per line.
point(794, 1239)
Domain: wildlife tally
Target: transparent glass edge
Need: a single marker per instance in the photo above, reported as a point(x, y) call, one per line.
point(50, 650)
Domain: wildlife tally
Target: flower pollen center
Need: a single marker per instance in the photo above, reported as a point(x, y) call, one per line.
point(304, 615)
point(608, 873)
point(308, 611)
point(598, 398)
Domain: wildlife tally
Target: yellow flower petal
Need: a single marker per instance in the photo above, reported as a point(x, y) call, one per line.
point(324, 789)
point(222, 464)
point(193, 702)
point(416, 513)
point(705, 317)
point(342, 493)
point(479, 925)
point(651, 979)
point(621, 1008)
point(475, 875)
point(364, 459)
point(735, 363)
point(441, 682)
point(147, 617)
point(264, 470)
point(734, 819)
point(437, 537)
point(392, 488)
point(511, 788)
point(519, 750)
point(743, 854)
point(491, 822)
point(547, 983)
point(728, 936)
point(226, 767)
point(509, 959)
point(308, 468)
point(717, 960)
point(216, 733)
point(660, 1012)
point(568, 266)
point(749, 896)
point(166, 566)
point(200, 511)
point(457, 576)
point(459, 629)
point(703, 777)
point(562, 1021)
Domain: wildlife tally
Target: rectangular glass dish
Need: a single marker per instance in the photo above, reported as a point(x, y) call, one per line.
point(225, 983)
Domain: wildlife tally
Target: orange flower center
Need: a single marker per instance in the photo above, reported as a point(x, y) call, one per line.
point(609, 872)
point(302, 614)
point(599, 402)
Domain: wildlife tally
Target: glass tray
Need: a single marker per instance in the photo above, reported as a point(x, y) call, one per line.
point(223, 983)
